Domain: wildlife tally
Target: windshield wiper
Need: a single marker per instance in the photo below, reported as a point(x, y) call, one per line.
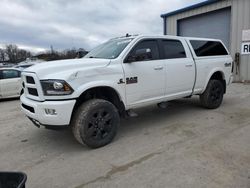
point(94, 57)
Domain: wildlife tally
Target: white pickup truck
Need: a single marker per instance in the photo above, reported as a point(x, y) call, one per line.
point(92, 93)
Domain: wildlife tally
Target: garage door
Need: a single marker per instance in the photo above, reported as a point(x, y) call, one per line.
point(215, 24)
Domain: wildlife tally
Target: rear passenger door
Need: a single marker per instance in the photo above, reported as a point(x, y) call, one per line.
point(180, 67)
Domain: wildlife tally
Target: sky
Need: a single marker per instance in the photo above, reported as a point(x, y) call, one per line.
point(37, 24)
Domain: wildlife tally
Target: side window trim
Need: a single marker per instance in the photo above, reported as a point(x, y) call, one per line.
point(142, 40)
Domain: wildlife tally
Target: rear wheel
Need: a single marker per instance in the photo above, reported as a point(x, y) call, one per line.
point(95, 123)
point(213, 95)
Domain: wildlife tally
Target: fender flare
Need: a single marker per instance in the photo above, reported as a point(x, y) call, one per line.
point(96, 84)
point(212, 72)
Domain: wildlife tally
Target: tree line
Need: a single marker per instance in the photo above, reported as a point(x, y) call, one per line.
point(11, 53)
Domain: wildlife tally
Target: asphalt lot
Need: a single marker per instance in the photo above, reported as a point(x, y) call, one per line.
point(181, 146)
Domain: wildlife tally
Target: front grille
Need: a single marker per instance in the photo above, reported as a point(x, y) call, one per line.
point(33, 91)
point(30, 80)
point(32, 87)
point(29, 108)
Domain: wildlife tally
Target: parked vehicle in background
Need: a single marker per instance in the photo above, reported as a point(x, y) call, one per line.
point(10, 83)
point(28, 63)
point(4, 65)
point(92, 93)
point(22, 67)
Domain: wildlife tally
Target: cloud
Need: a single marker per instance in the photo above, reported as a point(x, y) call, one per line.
point(37, 24)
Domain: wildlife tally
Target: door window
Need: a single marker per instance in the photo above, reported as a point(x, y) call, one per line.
point(147, 45)
point(173, 49)
point(8, 74)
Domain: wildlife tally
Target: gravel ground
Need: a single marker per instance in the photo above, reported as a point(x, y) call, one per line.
point(181, 146)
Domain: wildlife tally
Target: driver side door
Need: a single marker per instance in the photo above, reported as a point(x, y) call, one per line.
point(144, 77)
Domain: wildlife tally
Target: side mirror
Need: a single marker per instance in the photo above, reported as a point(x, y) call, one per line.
point(13, 179)
point(140, 55)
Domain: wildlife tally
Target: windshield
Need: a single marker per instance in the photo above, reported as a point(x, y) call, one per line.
point(109, 50)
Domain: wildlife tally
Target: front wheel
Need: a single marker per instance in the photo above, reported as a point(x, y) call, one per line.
point(95, 123)
point(213, 95)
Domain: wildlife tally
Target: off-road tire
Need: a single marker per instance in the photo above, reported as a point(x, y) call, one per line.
point(95, 123)
point(212, 97)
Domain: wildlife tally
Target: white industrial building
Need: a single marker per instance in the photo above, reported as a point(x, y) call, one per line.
point(228, 20)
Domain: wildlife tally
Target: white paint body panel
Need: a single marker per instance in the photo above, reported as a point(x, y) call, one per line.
point(151, 82)
point(158, 80)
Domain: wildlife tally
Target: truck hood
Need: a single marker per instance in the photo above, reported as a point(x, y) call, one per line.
point(62, 68)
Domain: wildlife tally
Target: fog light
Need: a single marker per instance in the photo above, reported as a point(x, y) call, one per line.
point(50, 111)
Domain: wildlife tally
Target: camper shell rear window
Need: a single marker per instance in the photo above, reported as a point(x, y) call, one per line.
point(204, 48)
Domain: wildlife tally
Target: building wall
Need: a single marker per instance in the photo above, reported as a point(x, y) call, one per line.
point(215, 24)
point(240, 20)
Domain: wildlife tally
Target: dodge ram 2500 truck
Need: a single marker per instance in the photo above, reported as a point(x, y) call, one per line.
point(92, 93)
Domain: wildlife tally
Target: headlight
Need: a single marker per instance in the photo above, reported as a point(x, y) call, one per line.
point(56, 87)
